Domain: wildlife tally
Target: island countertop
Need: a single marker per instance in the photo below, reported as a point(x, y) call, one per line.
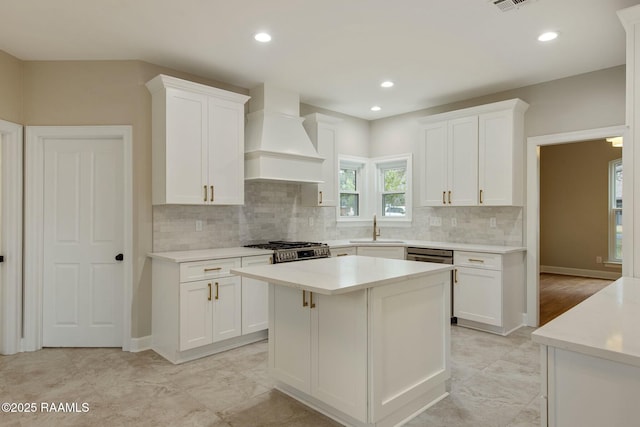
point(339, 275)
point(604, 325)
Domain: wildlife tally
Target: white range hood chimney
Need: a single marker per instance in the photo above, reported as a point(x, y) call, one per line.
point(277, 148)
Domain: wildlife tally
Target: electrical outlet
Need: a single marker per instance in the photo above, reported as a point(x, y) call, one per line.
point(598, 259)
point(492, 222)
point(198, 225)
point(454, 222)
point(435, 221)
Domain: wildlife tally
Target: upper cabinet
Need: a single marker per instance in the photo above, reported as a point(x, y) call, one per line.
point(322, 131)
point(198, 143)
point(473, 157)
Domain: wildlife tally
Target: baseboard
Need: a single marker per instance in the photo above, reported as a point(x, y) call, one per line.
point(596, 274)
point(140, 344)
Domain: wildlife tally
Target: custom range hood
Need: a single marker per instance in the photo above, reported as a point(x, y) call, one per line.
point(277, 148)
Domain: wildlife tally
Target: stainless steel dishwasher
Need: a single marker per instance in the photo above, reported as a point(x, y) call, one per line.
point(440, 256)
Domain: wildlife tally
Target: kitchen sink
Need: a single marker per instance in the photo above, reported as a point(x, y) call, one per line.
point(375, 241)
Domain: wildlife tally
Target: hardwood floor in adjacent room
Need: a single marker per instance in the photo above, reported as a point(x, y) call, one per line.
point(558, 293)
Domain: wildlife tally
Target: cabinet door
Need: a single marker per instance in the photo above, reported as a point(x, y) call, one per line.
point(463, 161)
point(186, 148)
point(255, 298)
point(433, 157)
point(477, 295)
point(196, 314)
point(322, 131)
point(339, 352)
point(290, 337)
point(226, 152)
point(382, 251)
point(496, 161)
point(227, 308)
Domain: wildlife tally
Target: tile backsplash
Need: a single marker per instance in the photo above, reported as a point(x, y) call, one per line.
point(272, 211)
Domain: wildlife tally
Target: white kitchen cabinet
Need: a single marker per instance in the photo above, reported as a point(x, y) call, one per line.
point(197, 308)
point(488, 291)
point(255, 298)
point(473, 156)
point(198, 143)
point(196, 315)
point(501, 157)
point(308, 346)
point(322, 131)
point(344, 251)
point(393, 252)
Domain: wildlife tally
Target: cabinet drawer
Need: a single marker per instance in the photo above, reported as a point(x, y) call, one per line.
point(201, 270)
point(478, 260)
point(350, 250)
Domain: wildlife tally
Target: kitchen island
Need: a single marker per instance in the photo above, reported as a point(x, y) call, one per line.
point(363, 340)
point(590, 360)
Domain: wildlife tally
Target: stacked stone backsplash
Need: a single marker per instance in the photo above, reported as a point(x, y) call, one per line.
point(272, 211)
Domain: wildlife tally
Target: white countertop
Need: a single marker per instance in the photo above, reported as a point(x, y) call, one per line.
point(605, 325)
point(339, 275)
point(472, 247)
point(205, 254)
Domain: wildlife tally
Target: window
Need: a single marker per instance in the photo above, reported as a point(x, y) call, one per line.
point(351, 184)
point(393, 185)
point(615, 210)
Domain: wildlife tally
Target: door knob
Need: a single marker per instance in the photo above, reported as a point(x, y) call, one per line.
point(1, 258)
point(119, 257)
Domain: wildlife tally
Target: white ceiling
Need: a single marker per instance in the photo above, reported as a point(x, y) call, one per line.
point(335, 53)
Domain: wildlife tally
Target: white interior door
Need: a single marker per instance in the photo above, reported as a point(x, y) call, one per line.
point(83, 233)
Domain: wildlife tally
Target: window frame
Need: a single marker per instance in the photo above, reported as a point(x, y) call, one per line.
point(381, 164)
point(613, 210)
point(361, 166)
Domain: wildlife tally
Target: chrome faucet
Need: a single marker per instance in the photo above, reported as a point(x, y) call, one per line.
point(376, 230)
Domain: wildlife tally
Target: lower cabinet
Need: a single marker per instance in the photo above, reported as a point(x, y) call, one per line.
point(199, 308)
point(319, 346)
point(393, 252)
point(209, 311)
point(488, 291)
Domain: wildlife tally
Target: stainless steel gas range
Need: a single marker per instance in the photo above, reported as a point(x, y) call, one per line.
point(284, 251)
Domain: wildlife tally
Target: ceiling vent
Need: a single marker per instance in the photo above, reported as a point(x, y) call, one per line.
point(507, 5)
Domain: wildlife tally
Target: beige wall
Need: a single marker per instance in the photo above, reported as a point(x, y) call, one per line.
point(108, 93)
point(10, 88)
point(574, 215)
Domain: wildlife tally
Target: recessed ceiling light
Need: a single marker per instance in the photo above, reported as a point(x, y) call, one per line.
point(262, 37)
point(376, 108)
point(387, 83)
point(548, 36)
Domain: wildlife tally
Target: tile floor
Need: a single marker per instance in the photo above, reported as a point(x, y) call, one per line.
point(495, 382)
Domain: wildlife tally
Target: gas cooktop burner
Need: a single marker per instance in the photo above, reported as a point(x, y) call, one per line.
point(284, 251)
point(283, 244)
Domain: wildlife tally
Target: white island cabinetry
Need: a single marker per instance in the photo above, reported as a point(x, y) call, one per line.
point(364, 340)
point(200, 308)
point(590, 361)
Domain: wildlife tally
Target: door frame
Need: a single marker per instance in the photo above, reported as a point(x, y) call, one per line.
point(11, 245)
point(34, 227)
point(532, 231)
